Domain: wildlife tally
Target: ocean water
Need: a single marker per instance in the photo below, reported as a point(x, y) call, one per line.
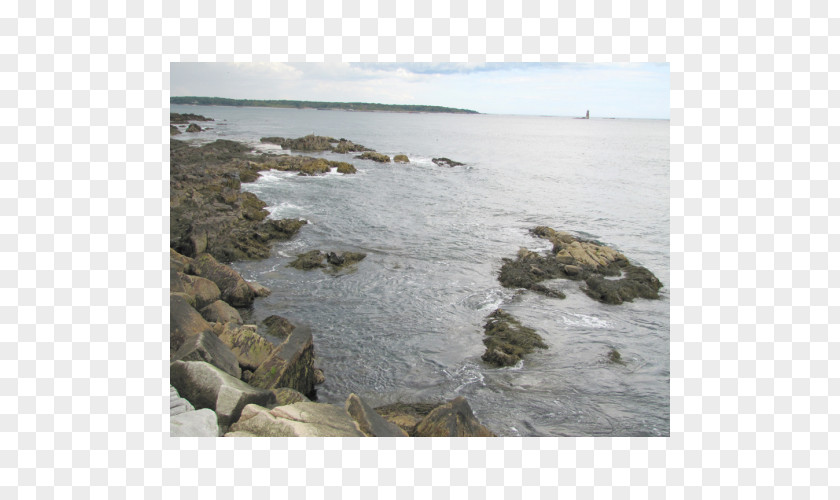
point(407, 323)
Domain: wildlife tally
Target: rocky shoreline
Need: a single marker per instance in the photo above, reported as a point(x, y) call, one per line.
point(228, 378)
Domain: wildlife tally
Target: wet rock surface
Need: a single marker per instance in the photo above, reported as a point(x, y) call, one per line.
point(446, 162)
point(370, 422)
point(317, 259)
point(401, 159)
point(377, 157)
point(507, 340)
point(298, 419)
point(576, 259)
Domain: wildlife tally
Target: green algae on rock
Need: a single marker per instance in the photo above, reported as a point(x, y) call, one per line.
point(401, 159)
point(377, 157)
point(507, 340)
point(572, 258)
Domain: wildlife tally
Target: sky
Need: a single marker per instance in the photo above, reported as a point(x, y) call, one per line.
point(620, 90)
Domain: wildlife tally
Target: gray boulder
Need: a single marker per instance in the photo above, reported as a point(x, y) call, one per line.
point(184, 322)
point(453, 419)
point(369, 422)
point(177, 404)
point(205, 291)
point(220, 312)
point(200, 423)
point(206, 386)
point(206, 346)
point(298, 419)
point(234, 290)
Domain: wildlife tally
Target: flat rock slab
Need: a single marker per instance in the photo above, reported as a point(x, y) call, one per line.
point(199, 423)
point(370, 422)
point(206, 346)
point(206, 386)
point(298, 419)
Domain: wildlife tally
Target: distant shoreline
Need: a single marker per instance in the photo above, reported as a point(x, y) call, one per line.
point(325, 106)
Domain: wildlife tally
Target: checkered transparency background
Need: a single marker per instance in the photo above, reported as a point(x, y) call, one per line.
point(84, 91)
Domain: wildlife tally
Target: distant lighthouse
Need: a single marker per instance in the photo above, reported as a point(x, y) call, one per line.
point(587, 114)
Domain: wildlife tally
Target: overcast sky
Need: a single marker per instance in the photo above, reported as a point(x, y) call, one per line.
point(557, 89)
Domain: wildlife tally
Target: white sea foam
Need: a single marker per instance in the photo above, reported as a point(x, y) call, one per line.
point(574, 319)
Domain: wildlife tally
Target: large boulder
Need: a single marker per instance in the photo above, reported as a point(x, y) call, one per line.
point(179, 263)
point(259, 290)
point(206, 386)
point(205, 291)
point(177, 404)
point(286, 396)
point(251, 349)
point(453, 419)
point(277, 326)
point(406, 415)
point(184, 322)
point(370, 422)
point(200, 423)
point(220, 312)
point(298, 419)
point(234, 290)
point(292, 364)
point(206, 346)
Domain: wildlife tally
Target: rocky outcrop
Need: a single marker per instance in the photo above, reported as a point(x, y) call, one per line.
point(453, 419)
point(173, 130)
point(572, 258)
point(206, 346)
point(184, 118)
point(314, 142)
point(184, 322)
point(206, 386)
point(220, 312)
point(209, 212)
point(446, 162)
point(370, 422)
point(234, 290)
point(298, 419)
point(317, 259)
point(401, 159)
point(345, 168)
point(291, 364)
point(507, 341)
point(179, 263)
point(193, 128)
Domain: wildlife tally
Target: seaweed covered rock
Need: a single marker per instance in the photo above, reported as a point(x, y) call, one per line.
point(507, 340)
point(291, 364)
point(277, 326)
point(250, 348)
point(453, 419)
point(572, 258)
point(401, 159)
point(345, 146)
point(315, 167)
point(310, 142)
point(317, 259)
point(446, 162)
point(406, 415)
point(343, 167)
point(209, 212)
point(193, 128)
point(377, 157)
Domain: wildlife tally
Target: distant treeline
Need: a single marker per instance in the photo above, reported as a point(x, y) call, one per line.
point(350, 106)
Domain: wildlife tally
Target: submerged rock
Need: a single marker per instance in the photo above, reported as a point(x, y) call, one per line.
point(507, 340)
point(446, 162)
point(576, 259)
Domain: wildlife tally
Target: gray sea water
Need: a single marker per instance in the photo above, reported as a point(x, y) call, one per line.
point(406, 325)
